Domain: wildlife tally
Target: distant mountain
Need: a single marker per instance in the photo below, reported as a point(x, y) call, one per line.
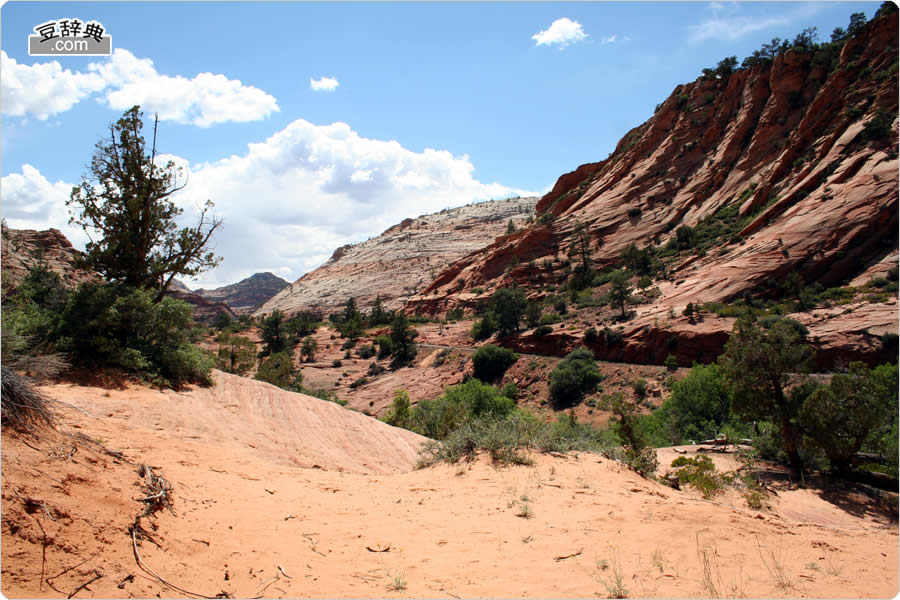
point(403, 260)
point(246, 295)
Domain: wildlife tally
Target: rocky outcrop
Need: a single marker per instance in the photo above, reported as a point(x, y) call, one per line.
point(401, 261)
point(205, 310)
point(787, 146)
point(24, 249)
point(246, 295)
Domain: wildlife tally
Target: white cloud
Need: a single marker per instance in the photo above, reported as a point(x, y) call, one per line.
point(205, 100)
point(562, 31)
point(735, 26)
point(289, 201)
point(608, 40)
point(45, 89)
point(323, 84)
point(30, 201)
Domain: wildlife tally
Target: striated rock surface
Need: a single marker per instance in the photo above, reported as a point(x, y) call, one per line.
point(401, 261)
point(23, 249)
point(244, 296)
point(784, 146)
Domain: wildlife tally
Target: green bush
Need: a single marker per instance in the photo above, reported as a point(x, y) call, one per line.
point(490, 362)
point(700, 404)
point(365, 351)
point(398, 414)
point(508, 307)
point(484, 328)
point(505, 438)
point(640, 388)
point(384, 346)
point(359, 382)
point(114, 325)
point(573, 377)
point(236, 354)
point(510, 390)
point(473, 399)
point(278, 369)
point(700, 473)
point(840, 417)
point(543, 330)
point(671, 362)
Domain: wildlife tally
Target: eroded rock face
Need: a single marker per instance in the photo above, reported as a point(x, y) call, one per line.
point(244, 296)
point(401, 261)
point(24, 249)
point(784, 144)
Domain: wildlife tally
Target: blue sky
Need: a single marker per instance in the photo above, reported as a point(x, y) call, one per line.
point(419, 106)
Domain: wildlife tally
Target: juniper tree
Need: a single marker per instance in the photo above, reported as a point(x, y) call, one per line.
point(125, 206)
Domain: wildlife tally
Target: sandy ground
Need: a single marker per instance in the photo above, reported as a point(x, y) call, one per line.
point(252, 516)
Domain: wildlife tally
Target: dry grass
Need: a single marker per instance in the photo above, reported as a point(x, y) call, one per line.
point(22, 405)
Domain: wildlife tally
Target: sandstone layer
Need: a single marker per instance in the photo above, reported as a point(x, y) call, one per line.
point(24, 249)
point(401, 261)
point(785, 144)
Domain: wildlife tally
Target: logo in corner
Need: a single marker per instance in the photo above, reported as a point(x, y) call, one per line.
point(70, 37)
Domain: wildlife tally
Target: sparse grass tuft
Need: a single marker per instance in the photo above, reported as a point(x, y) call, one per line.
point(774, 563)
point(398, 584)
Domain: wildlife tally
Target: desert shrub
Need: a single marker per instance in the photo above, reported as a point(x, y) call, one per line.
point(473, 399)
point(398, 414)
point(700, 473)
point(114, 325)
point(591, 336)
point(510, 390)
point(22, 405)
point(454, 314)
point(403, 345)
point(839, 417)
point(336, 363)
point(236, 354)
point(490, 362)
point(878, 127)
point(322, 394)
point(384, 346)
point(638, 453)
point(543, 330)
point(508, 307)
point(278, 369)
point(640, 388)
point(308, 348)
point(671, 362)
point(700, 404)
point(359, 382)
point(365, 351)
point(550, 319)
point(349, 344)
point(484, 328)
point(375, 369)
point(506, 438)
point(440, 358)
point(573, 377)
point(559, 305)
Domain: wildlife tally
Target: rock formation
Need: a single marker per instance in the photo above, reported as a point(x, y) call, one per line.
point(401, 261)
point(24, 249)
point(792, 148)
